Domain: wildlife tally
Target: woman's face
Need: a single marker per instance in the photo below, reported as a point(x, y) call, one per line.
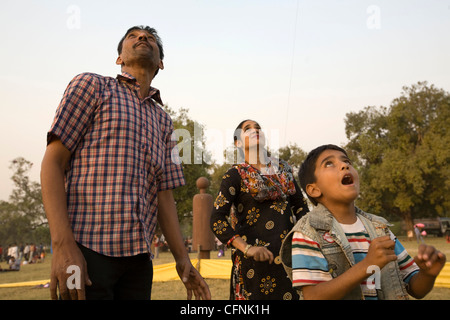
point(251, 135)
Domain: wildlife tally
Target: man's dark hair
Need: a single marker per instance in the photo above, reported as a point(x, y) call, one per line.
point(149, 30)
point(306, 173)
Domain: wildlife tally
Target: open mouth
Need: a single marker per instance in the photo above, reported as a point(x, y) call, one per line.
point(347, 180)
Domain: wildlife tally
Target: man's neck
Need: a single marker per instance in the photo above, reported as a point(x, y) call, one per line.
point(143, 77)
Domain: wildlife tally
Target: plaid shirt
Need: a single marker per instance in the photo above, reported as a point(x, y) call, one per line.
point(121, 157)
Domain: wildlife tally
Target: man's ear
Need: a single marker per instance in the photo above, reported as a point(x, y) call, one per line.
point(119, 60)
point(161, 65)
point(313, 190)
point(238, 143)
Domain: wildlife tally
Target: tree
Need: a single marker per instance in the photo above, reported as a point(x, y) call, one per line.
point(294, 155)
point(402, 154)
point(23, 216)
point(193, 153)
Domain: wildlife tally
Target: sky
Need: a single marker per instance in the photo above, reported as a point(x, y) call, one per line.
point(295, 66)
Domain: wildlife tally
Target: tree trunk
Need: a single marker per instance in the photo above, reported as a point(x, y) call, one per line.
point(408, 224)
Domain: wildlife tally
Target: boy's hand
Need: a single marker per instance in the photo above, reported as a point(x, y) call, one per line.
point(430, 260)
point(381, 251)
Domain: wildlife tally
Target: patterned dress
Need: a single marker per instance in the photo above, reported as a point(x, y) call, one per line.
point(261, 209)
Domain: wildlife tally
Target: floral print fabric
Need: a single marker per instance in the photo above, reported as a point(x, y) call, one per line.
point(262, 187)
point(261, 209)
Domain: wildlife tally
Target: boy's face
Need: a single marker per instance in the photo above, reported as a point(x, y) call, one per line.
point(336, 179)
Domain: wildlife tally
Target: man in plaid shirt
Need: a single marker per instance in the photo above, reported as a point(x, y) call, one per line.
point(107, 178)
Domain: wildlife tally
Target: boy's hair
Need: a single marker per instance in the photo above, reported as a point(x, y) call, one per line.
point(306, 173)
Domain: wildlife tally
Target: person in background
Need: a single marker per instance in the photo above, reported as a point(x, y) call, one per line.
point(32, 252)
point(419, 237)
point(14, 264)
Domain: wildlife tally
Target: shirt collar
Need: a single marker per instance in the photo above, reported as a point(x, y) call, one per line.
point(153, 93)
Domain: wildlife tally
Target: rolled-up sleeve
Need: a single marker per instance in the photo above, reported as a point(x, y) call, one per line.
point(75, 111)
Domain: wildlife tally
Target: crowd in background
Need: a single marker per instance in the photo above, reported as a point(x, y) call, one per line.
point(17, 255)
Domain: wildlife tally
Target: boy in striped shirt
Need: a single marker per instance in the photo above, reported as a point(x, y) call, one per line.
point(338, 251)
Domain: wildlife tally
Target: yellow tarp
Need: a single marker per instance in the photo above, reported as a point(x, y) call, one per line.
point(443, 280)
point(212, 269)
point(24, 284)
point(209, 268)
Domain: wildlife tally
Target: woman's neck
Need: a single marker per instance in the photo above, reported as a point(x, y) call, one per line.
point(257, 158)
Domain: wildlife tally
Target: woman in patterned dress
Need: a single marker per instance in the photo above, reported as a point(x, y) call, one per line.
point(257, 205)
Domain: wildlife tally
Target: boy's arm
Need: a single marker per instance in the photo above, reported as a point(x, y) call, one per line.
point(430, 262)
point(380, 253)
point(339, 287)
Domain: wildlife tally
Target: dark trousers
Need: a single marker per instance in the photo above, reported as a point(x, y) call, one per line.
point(118, 278)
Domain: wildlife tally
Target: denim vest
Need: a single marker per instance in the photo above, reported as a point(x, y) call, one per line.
point(322, 227)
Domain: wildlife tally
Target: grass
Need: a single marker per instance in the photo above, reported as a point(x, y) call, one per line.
point(28, 272)
point(172, 290)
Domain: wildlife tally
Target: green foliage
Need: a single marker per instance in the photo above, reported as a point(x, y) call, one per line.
point(23, 216)
point(294, 155)
point(402, 154)
point(193, 152)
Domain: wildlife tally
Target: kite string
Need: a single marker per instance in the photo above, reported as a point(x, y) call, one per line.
point(292, 71)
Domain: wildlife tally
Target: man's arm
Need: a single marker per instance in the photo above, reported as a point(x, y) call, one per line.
point(65, 249)
point(168, 221)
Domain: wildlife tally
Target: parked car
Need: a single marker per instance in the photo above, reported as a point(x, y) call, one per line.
point(437, 226)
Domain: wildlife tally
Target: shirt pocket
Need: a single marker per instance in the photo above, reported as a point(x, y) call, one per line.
point(336, 259)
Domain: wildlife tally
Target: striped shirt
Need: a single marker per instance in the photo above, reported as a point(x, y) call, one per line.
point(121, 157)
point(310, 266)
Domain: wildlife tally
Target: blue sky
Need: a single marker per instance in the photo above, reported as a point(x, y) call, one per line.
point(297, 67)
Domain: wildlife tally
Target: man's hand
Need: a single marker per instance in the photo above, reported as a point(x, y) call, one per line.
point(62, 259)
point(192, 280)
point(65, 250)
point(168, 221)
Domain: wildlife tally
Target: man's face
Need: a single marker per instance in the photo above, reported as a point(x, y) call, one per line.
point(336, 179)
point(140, 46)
